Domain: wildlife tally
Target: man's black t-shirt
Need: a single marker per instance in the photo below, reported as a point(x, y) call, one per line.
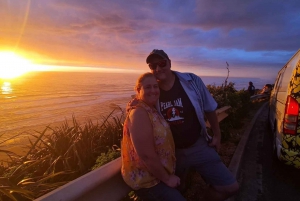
point(179, 112)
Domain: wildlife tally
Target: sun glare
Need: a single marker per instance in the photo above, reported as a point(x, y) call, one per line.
point(13, 65)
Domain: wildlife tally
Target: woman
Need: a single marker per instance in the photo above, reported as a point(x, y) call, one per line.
point(148, 153)
point(267, 89)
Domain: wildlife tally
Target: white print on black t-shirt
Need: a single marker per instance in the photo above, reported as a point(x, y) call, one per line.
point(172, 112)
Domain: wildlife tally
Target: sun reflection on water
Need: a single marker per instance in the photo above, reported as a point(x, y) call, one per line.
point(6, 88)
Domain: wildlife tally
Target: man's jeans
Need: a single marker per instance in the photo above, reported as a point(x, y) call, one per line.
point(160, 192)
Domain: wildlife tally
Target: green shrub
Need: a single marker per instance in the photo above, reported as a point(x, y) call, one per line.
point(105, 158)
point(239, 102)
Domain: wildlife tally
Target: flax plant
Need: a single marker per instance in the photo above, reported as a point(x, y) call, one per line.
point(58, 155)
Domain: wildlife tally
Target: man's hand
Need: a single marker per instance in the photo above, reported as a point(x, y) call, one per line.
point(213, 121)
point(131, 104)
point(216, 142)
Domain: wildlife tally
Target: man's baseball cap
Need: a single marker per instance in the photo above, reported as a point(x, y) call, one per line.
point(160, 53)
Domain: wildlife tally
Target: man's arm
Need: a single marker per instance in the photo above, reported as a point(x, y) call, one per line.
point(213, 121)
point(210, 105)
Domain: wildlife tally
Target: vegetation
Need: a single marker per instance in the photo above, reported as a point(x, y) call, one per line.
point(238, 100)
point(58, 155)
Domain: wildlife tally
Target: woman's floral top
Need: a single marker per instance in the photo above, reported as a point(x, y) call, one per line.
point(134, 172)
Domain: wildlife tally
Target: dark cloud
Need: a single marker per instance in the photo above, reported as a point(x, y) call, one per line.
point(195, 32)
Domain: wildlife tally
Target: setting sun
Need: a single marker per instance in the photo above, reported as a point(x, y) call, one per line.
point(13, 65)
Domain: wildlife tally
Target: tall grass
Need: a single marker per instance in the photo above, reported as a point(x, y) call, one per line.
point(58, 155)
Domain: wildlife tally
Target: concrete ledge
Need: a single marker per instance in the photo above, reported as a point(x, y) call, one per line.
point(92, 184)
point(222, 113)
point(259, 96)
point(104, 183)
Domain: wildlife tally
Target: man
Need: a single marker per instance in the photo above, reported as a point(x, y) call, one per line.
point(183, 102)
point(251, 89)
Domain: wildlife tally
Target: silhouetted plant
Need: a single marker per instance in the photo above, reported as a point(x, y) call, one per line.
point(58, 155)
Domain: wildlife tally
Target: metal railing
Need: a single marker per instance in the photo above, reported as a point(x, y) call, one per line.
point(104, 183)
point(259, 96)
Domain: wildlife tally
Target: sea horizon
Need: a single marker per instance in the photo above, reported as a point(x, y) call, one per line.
point(33, 101)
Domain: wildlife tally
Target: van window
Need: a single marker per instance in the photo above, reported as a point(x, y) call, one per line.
point(277, 81)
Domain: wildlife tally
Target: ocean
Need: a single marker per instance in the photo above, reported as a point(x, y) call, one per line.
point(37, 99)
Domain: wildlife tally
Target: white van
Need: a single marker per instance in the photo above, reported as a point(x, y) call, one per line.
point(284, 113)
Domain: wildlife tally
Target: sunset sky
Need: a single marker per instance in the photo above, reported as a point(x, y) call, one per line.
point(256, 37)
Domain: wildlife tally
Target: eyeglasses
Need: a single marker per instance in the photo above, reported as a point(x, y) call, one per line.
point(161, 64)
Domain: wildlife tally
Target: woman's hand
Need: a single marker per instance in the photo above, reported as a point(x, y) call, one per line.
point(173, 181)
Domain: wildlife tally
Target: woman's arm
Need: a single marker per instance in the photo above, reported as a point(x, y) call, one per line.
point(142, 138)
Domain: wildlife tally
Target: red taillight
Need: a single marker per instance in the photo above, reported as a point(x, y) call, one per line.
point(290, 120)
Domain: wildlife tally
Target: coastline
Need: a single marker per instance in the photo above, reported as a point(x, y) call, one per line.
point(94, 113)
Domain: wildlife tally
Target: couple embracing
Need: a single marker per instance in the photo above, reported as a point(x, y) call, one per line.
point(165, 133)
